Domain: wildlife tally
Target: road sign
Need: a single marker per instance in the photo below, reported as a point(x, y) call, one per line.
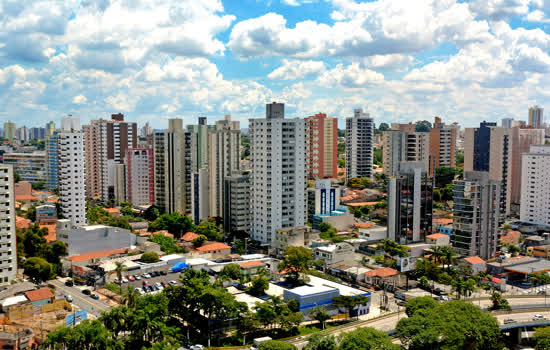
point(76, 317)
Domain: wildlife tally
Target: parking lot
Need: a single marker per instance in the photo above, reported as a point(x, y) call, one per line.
point(152, 280)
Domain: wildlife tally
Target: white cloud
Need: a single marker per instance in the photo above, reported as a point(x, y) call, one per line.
point(296, 2)
point(537, 16)
point(352, 76)
point(394, 61)
point(499, 9)
point(296, 69)
point(79, 99)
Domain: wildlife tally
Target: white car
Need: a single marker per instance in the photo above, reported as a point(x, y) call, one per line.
point(197, 347)
point(116, 280)
point(69, 298)
point(124, 280)
point(539, 317)
point(138, 277)
point(140, 291)
point(173, 283)
point(159, 286)
point(146, 275)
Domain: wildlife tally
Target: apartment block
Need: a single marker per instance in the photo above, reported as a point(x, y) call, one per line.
point(278, 152)
point(405, 146)
point(535, 117)
point(443, 140)
point(30, 166)
point(52, 180)
point(410, 203)
point(476, 215)
point(322, 147)
point(200, 209)
point(224, 159)
point(50, 128)
point(8, 248)
point(237, 211)
point(140, 184)
point(10, 130)
point(104, 141)
point(70, 149)
point(535, 185)
point(359, 145)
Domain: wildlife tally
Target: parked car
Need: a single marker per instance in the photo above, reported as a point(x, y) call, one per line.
point(138, 277)
point(146, 275)
point(147, 289)
point(69, 283)
point(154, 273)
point(146, 283)
point(197, 347)
point(509, 320)
point(401, 303)
point(94, 296)
point(542, 292)
point(140, 291)
point(173, 283)
point(539, 317)
point(124, 280)
point(131, 278)
point(69, 298)
point(159, 286)
point(155, 288)
point(163, 272)
point(86, 292)
point(116, 280)
point(164, 284)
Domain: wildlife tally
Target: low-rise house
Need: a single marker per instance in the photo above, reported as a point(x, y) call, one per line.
point(383, 276)
point(512, 237)
point(300, 236)
point(335, 253)
point(438, 223)
point(251, 267)
point(372, 233)
point(40, 296)
point(216, 249)
point(139, 226)
point(438, 239)
point(52, 232)
point(541, 251)
point(22, 223)
point(476, 263)
point(114, 212)
point(13, 301)
point(46, 214)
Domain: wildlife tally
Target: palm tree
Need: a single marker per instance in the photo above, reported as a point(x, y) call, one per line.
point(450, 256)
point(437, 254)
point(130, 297)
point(505, 228)
point(119, 267)
point(469, 287)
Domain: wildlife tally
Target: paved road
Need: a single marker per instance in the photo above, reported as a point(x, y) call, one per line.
point(94, 307)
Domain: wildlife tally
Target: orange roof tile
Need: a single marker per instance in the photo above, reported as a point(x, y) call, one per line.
point(52, 232)
point(364, 225)
point(474, 260)
point(26, 198)
point(95, 255)
point(213, 246)
point(251, 263)
point(21, 222)
point(189, 236)
point(112, 210)
point(443, 221)
point(360, 204)
point(39, 294)
point(383, 272)
point(436, 235)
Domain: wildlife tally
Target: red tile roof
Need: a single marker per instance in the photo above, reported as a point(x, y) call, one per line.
point(383, 272)
point(251, 263)
point(21, 222)
point(443, 221)
point(364, 225)
point(39, 294)
point(360, 204)
point(52, 232)
point(112, 210)
point(26, 198)
point(189, 236)
point(474, 260)
point(95, 255)
point(436, 235)
point(213, 246)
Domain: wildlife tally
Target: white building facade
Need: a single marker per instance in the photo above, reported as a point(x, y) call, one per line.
point(8, 249)
point(359, 145)
point(71, 171)
point(278, 150)
point(535, 185)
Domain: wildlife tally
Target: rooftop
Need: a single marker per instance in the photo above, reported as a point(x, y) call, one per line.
point(251, 263)
point(26, 198)
point(189, 236)
point(39, 294)
point(112, 210)
point(52, 232)
point(212, 247)
point(95, 255)
point(443, 221)
point(474, 260)
point(383, 272)
point(309, 290)
point(437, 235)
point(21, 222)
point(530, 267)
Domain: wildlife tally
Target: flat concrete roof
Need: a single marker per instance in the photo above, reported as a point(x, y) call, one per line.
point(310, 290)
point(531, 267)
point(344, 290)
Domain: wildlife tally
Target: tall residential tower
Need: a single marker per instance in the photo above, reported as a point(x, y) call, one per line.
point(359, 145)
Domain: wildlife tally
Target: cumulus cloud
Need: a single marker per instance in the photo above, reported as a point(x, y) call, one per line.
point(499, 9)
point(537, 16)
point(394, 61)
point(352, 76)
point(79, 99)
point(295, 69)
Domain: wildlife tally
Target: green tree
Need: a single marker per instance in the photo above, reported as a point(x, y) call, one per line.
point(498, 302)
point(320, 314)
point(231, 272)
point(210, 230)
point(258, 286)
point(445, 176)
point(121, 222)
point(542, 338)
point(88, 335)
point(296, 262)
point(366, 339)
point(167, 244)
point(450, 256)
point(276, 345)
point(119, 267)
point(341, 163)
point(383, 127)
point(38, 269)
point(16, 177)
point(459, 158)
point(324, 227)
point(149, 257)
point(151, 213)
point(437, 254)
point(422, 126)
point(392, 248)
point(452, 325)
point(420, 304)
point(38, 186)
point(96, 215)
point(378, 156)
point(31, 214)
point(354, 182)
point(200, 240)
point(318, 341)
point(174, 223)
point(423, 281)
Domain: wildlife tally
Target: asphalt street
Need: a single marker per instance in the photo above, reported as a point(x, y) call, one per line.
point(94, 307)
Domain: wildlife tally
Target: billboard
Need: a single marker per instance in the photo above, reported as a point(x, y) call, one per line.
point(76, 317)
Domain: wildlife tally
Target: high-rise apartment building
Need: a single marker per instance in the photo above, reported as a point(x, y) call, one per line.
point(507, 122)
point(359, 145)
point(70, 150)
point(476, 213)
point(146, 130)
point(442, 146)
point(23, 135)
point(10, 130)
point(105, 144)
point(174, 162)
point(323, 198)
point(405, 146)
point(535, 185)
point(200, 208)
point(237, 211)
point(497, 150)
point(50, 128)
point(321, 147)
point(224, 159)
point(52, 155)
point(140, 179)
point(410, 203)
point(536, 117)
point(30, 166)
point(200, 131)
point(8, 244)
point(37, 133)
point(278, 149)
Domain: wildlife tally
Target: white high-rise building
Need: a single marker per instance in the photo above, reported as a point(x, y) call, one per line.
point(535, 185)
point(70, 150)
point(8, 249)
point(278, 150)
point(359, 145)
point(224, 159)
point(404, 146)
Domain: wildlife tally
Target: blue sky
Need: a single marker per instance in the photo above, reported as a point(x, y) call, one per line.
point(400, 60)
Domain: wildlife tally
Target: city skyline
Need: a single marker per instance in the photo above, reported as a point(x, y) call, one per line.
point(169, 59)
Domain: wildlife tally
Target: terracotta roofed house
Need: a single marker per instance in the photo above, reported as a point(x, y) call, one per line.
point(478, 264)
point(215, 248)
point(40, 296)
point(189, 236)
